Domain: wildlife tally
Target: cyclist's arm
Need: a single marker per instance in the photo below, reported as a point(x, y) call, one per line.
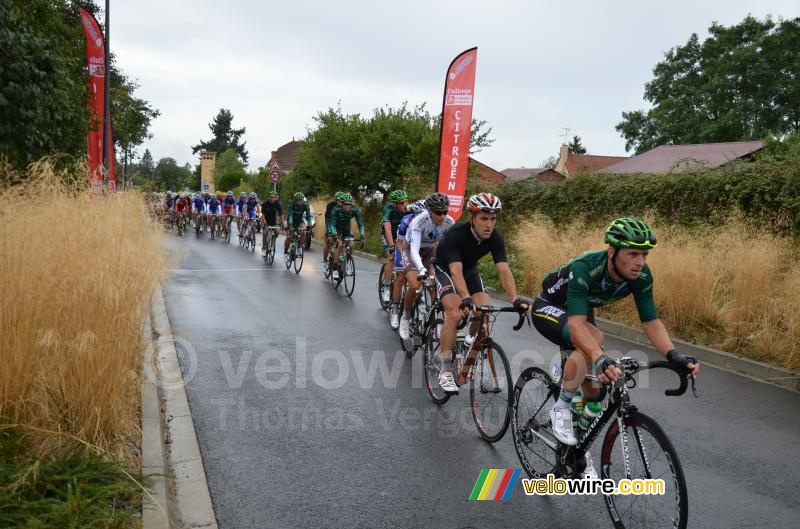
point(507, 279)
point(387, 231)
point(457, 275)
point(657, 334)
point(414, 236)
point(360, 223)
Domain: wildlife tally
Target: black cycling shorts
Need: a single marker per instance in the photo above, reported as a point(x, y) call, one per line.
point(444, 283)
point(551, 322)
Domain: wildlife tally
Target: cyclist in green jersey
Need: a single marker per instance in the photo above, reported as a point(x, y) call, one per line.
point(337, 201)
point(564, 313)
point(393, 213)
point(298, 213)
point(340, 225)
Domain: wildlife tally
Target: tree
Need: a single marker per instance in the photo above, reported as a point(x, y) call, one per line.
point(146, 165)
point(44, 93)
point(395, 147)
point(549, 163)
point(131, 117)
point(168, 175)
point(224, 136)
point(575, 146)
point(738, 84)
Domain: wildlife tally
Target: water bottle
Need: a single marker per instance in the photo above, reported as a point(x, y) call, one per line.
point(468, 341)
point(590, 413)
point(577, 405)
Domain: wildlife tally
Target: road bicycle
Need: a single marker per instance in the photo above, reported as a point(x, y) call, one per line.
point(425, 304)
point(247, 237)
point(479, 360)
point(295, 255)
point(213, 224)
point(182, 222)
point(634, 446)
point(269, 244)
point(226, 231)
point(198, 224)
point(388, 304)
point(346, 267)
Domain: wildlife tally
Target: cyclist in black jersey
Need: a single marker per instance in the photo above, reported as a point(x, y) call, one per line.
point(272, 215)
point(564, 313)
point(459, 283)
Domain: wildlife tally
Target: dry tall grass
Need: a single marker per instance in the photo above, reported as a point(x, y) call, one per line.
point(732, 287)
point(77, 276)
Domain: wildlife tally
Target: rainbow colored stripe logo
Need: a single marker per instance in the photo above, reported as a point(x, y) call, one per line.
point(495, 484)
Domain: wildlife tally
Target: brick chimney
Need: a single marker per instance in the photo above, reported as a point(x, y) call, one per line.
point(561, 165)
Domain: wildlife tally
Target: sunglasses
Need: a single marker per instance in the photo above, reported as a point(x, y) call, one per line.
point(439, 212)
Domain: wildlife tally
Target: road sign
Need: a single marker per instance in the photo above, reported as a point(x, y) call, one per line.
point(275, 176)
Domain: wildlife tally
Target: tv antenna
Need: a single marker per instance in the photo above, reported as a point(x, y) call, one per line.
point(566, 134)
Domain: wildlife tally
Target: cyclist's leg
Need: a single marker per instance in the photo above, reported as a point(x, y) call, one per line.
point(388, 250)
point(288, 239)
point(302, 231)
point(327, 247)
point(452, 314)
point(338, 251)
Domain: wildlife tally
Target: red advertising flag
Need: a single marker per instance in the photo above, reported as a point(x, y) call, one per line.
point(95, 58)
point(459, 92)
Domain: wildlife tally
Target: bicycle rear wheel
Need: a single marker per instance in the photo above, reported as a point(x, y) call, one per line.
point(651, 456)
point(490, 391)
point(298, 257)
point(534, 394)
point(430, 360)
point(349, 275)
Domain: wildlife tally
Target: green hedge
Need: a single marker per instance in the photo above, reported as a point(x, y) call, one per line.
point(766, 191)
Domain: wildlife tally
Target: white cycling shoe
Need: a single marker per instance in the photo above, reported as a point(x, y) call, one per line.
point(561, 418)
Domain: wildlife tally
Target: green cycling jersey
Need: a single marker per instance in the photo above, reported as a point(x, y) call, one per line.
point(339, 222)
point(583, 282)
point(296, 214)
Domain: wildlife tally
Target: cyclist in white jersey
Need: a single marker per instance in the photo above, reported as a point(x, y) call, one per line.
point(423, 234)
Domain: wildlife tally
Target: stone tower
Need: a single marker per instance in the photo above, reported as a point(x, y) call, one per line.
point(207, 161)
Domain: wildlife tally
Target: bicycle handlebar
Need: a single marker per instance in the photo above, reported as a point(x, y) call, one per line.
point(680, 370)
point(490, 309)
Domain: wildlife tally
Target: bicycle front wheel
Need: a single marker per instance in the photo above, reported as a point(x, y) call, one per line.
point(270, 257)
point(384, 306)
point(490, 391)
point(298, 258)
point(534, 395)
point(650, 456)
point(430, 361)
point(349, 276)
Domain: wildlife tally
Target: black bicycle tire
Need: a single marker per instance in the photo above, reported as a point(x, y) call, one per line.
point(349, 289)
point(384, 306)
point(298, 255)
point(526, 376)
point(647, 423)
point(428, 359)
point(496, 436)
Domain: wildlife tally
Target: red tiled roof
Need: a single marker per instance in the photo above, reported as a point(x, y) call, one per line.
point(286, 155)
point(589, 163)
point(521, 173)
point(668, 158)
point(484, 171)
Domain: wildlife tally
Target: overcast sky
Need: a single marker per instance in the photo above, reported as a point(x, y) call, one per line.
point(275, 65)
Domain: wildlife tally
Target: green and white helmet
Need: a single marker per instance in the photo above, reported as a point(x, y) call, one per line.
point(398, 196)
point(299, 196)
point(627, 232)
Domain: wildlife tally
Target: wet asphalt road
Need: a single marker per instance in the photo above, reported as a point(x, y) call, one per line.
point(308, 414)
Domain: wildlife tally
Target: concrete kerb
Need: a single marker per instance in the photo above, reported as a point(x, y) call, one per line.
point(190, 501)
point(155, 506)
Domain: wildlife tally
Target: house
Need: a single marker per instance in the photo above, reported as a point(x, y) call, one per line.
point(484, 173)
point(677, 158)
point(513, 174)
point(569, 164)
point(285, 158)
